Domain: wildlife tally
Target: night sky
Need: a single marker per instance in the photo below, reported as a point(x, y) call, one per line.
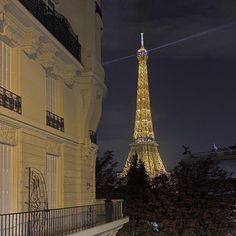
point(192, 84)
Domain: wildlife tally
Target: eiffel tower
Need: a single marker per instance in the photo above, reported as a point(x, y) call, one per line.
point(144, 144)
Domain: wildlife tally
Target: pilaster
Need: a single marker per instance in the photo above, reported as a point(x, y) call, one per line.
point(8, 134)
point(53, 148)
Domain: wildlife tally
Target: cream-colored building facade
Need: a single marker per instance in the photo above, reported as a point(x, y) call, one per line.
point(50, 101)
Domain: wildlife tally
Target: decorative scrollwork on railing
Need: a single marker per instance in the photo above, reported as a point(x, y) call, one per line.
point(60, 221)
point(10, 100)
point(37, 191)
point(55, 121)
point(37, 201)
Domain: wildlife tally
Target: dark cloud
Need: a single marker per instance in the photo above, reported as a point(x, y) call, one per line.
point(162, 22)
point(191, 84)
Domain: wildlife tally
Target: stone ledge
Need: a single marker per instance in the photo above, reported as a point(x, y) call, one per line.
point(104, 230)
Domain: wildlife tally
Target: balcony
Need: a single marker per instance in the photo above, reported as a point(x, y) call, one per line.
point(55, 121)
point(93, 136)
point(98, 9)
point(10, 100)
point(62, 221)
point(56, 24)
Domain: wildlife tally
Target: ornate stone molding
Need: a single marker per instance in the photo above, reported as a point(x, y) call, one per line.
point(53, 148)
point(89, 152)
point(18, 28)
point(11, 31)
point(3, 23)
point(31, 43)
point(3, 3)
point(69, 75)
point(8, 134)
point(46, 54)
point(92, 153)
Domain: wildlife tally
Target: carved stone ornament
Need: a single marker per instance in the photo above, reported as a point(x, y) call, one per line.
point(53, 148)
point(3, 23)
point(69, 74)
point(10, 31)
point(89, 153)
point(7, 134)
point(46, 55)
point(52, 72)
point(31, 44)
point(69, 82)
point(3, 3)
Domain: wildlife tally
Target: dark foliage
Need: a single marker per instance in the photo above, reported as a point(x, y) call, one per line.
point(105, 175)
point(136, 194)
point(195, 199)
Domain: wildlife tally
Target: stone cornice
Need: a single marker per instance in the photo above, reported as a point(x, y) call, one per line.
point(18, 28)
point(31, 43)
point(11, 31)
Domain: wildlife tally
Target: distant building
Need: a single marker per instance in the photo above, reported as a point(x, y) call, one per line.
point(225, 157)
point(144, 144)
point(51, 92)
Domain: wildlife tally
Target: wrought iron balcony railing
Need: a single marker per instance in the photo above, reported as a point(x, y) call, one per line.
point(56, 24)
point(55, 121)
point(98, 9)
point(10, 100)
point(62, 221)
point(93, 136)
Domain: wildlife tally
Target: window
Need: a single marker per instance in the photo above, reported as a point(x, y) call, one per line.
point(5, 178)
point(51, 180)
point(5, 65)
point(53, 104)
point(51, 94)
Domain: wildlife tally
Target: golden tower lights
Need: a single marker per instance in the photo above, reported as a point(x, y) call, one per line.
point(144, 144)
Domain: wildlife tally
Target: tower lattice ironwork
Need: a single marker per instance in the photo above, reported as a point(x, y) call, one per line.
point(144, 145)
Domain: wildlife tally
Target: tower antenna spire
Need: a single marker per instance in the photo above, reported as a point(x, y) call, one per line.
point(142, 40)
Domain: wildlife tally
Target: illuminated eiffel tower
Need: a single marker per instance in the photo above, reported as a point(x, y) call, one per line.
point(144, 145)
